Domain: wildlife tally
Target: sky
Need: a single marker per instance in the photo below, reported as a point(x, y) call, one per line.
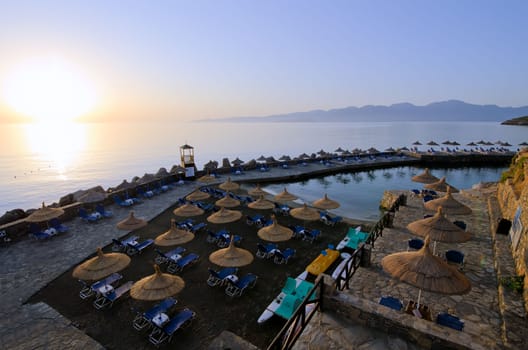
point(187, 60)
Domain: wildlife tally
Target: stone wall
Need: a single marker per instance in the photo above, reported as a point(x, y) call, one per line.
point(512, 194)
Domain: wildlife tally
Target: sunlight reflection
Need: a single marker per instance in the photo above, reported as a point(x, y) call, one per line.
point(57, 143)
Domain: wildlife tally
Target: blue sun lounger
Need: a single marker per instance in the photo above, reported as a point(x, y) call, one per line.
point(89, 290)
point(139, 247)
point(218, 278)
point(180, 264)
point(180, 321)
point(237, 288)
point(107, 300)
point(162, 257)
point(144, 319)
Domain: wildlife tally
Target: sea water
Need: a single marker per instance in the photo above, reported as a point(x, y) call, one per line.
point(45, 162)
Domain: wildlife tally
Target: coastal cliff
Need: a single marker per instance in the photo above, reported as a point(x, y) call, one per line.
point(512, 195)
point(516, 121)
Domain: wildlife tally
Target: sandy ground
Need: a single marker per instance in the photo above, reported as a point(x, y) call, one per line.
point(214, 309)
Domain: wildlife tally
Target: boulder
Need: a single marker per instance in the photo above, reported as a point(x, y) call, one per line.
point(67, 199)
point(12, 215)
point(226, 163)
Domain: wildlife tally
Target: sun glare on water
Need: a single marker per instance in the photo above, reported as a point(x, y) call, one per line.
point(49, 89)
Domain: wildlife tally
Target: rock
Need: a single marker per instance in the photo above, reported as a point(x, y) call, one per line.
point(225, 163)
point(228, 340)
point(12, 215)
point(66, 200)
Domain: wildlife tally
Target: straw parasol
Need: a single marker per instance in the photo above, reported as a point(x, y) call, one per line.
point(426, 177)
point(100, 266)
point(427, 272)
point(439, 228)
point(174, 236)
point(441, 186)
point(285, 196)
point(224, 216)
point(227, 202)
point(44, 214)
point(231, 256)
point(206, 178)
point(257, 191)
point(432, 143)
point(275, 232)
point(157, 286)
point(228, 185)
point(188, 210)
point(197, 196)
point(417, 143)
point(305, 213)
point(131, 223)
point(326, 203)
point(449, 205)
point(261, 203)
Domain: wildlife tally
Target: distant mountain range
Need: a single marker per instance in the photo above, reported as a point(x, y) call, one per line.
point(451, 110)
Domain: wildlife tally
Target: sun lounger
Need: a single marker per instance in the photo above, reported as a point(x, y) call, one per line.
point(455, 257)
point(180, 264)
point(237, 288)
point(136, 248)
point(162, 258)
point(197, 227)
point(89, 217)
point(451, 321)
point(213, 237)
point(256, 220)
point(37, 233)
point(298, 231)
point(391, 302)
point(415, 243)
point(145, 194)
point(123, 202)
point(185, 224)
point(89, 290)
point(144, 319)
point(101, 210)
point(58, 225)
point(224, 240)
point(311, 235)
point(266, 251)
point(180, 321)
point(281, 209)
point(218, 278)
point(120, 245)
point(282, 256)
point(328, 220)
point(108, 299)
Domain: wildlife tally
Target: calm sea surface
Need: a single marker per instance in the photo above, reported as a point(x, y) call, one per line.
point(44, 162)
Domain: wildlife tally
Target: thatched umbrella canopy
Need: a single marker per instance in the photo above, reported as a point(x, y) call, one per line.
point(257, 191)
point(157, 286)
point(449, 205)
point(224, 216)
point(262, 204)
point(417, 143)
point(441, 186)
point(188, 210)
point(439, 228)
point(131, 223)
point(125, 185)
point(471, 144)
point(305, 213)
point(174, 236)
point(432, 143)
point(227, 202)
point(237, 162)
point(285, 196)
point(275, 232)
point(44, 214)
point(206, 178)
point(326, 203)
point(197, 196)
point(426, 177)
point(231, 256)
point(229, 185)
point(425, 271)
point(261, 159)
point(100, 266)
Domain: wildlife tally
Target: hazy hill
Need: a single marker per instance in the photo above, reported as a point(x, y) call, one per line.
point(516, 121)
point(451, 110)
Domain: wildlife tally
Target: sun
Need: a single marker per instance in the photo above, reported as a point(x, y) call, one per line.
point(49, 89)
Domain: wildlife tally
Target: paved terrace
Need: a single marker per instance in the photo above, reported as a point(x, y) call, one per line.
point(494, 318)
point(29, 265)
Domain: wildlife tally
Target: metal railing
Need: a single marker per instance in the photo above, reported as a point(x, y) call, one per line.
point(291, 331)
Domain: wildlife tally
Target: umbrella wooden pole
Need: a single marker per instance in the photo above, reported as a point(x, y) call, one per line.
point(419, 296)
